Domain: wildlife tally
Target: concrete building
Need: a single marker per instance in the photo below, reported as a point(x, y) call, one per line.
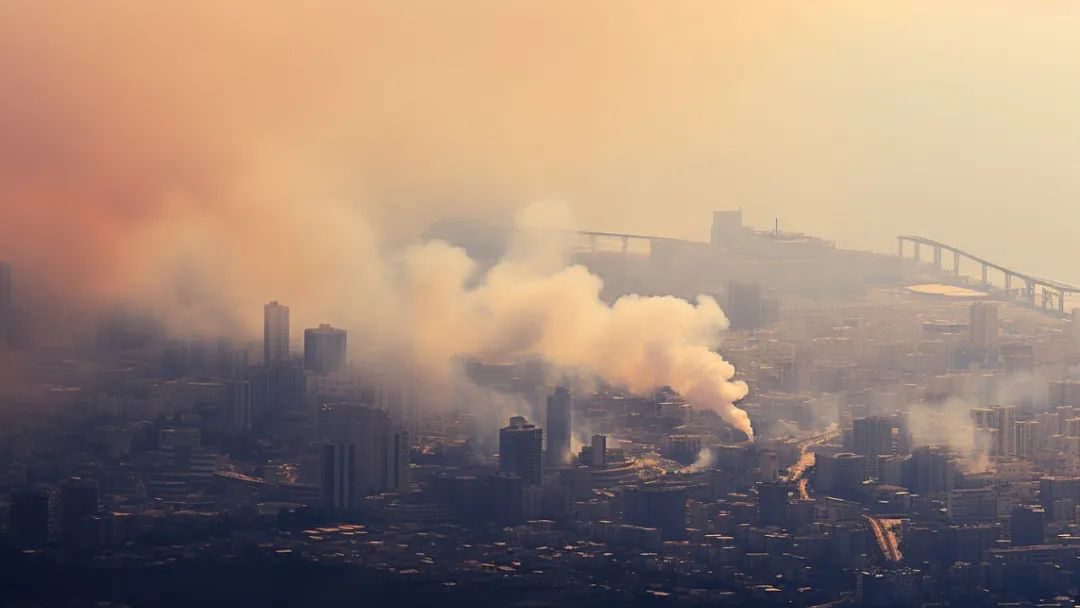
point(239, 411)
point(521, 450)
point(930, 470)
point(1003, 419)
point(872, 436)
point(1026, 433)
point(275, 334)
point(745, 306)
point(559, 405)
point(324, 349)
point(374, 446)
point(598, 452)
point(983, 325)
point(840, 474)
point(339, 477)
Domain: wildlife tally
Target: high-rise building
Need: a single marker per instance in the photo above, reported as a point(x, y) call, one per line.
point(277, 390)
point(1003, 419)
point(1056, 490)
point(365, 452)
point(930, 470)
point(78, 500)
point(239, 412)
point(324, 349)
point(872, 436)
point(983, 325)
point(1027, 525)
point(745, 307)
point(1026, 432)
point(385, 458)
point(997, 426)
point(520, 450)
point(275, 334)
point(558, 428)
point(598, 454)
point(339, 476)
point(840, 474)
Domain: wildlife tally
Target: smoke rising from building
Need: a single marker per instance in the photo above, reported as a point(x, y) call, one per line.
point(516, 312)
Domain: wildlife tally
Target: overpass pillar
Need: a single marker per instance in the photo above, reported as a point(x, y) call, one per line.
point(1030, 289)
point(956, 263)
point(1008, 282)
point(625, 244)
point(918, 252)
point(937, 256)
point(900, 246)
point(1061, 301)
point(984, 269)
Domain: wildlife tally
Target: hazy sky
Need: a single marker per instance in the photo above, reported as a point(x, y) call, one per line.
point(136, 134)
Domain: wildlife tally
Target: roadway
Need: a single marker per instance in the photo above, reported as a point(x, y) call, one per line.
point(796, 473)
point(885, 534)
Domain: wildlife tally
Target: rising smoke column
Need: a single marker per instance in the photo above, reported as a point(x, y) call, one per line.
point(515, 311)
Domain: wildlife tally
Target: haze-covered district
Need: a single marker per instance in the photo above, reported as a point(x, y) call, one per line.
point(539, 304)
point(759, 416)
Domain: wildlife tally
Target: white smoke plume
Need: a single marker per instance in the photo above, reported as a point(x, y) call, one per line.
point(949, 424)
point(530, 305)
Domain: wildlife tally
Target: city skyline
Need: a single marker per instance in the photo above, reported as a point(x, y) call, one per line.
point(540, 304)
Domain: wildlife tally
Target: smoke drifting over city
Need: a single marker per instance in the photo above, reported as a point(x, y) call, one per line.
point(197, 188)
point(526, 307)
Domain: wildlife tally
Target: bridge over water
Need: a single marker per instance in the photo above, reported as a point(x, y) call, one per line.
point(1052, 292)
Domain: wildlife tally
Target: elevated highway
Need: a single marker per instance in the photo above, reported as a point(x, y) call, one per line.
point(1034, 291)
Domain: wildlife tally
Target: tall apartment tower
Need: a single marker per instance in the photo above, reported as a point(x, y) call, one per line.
point(983, 325)
point(324, 349)
point(872, 436)
point(1027, 432)
point(275, 334)
point(558, 428)
point(365, 452)
point(520, 450)
point(745, 307)
point(339, 476)
point(1003, 418)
